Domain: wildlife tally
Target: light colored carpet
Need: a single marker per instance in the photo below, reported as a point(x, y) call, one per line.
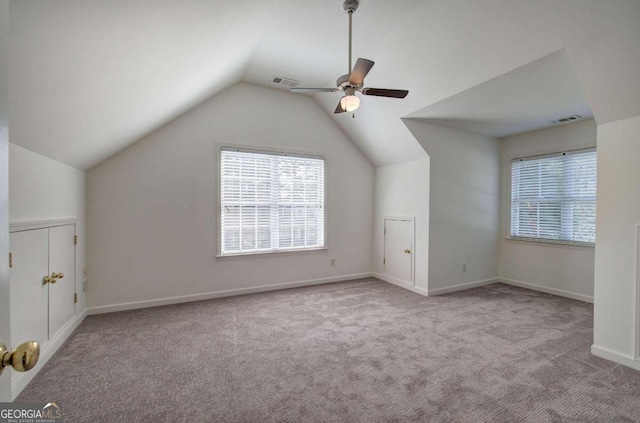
point(360, 351)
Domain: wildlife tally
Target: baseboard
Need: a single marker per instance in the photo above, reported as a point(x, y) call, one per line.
point(616, 357)
point(462, 286)
point(134, 305)
point(547, 290)
point(47, 351)
point(401, 284)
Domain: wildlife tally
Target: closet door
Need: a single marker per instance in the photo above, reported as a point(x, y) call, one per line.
point(398, 245)
point(61, 293)
point(29, 297)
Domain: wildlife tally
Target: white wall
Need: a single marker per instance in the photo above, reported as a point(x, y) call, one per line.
point(463, 205)
point(618, 214)
point(403, 190)
point(559, 269)
point(41, 189)
point(152, 213)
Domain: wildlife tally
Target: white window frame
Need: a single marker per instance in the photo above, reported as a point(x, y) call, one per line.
point(218, 191)
point(507, 206)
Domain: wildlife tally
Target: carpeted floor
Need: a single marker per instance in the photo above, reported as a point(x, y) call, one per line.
point(360, 351)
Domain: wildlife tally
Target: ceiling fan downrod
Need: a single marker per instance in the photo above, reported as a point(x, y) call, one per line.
point(353, 81)
point(350, 6)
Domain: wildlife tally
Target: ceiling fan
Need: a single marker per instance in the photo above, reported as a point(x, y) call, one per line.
point(353, 81)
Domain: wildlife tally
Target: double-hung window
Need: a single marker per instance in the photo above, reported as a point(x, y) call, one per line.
point(270, 201)
point(553, 197)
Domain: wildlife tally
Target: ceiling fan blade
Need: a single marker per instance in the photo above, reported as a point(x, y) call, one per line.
point(360, 70)
point(313, 90)
point(339, 109)
point(382, 92)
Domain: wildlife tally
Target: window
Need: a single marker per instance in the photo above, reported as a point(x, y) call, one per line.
point(270, 201)
point(553, 197)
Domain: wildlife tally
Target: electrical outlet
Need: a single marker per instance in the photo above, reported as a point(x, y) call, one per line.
point(332, 262)
point(464, 268)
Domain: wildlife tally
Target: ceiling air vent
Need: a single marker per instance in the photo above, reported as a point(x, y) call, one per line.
point(567, 119)
point(287, 82)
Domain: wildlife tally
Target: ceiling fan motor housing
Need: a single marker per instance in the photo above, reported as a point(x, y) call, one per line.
point(353, 81)
point(350, 6)
point(343, 82)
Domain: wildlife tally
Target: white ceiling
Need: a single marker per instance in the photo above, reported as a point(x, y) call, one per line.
point(526, 99)
point(308, 40)
point(90, 77)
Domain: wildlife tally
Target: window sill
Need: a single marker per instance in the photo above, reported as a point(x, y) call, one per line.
point(270, 253)
point(553, 243)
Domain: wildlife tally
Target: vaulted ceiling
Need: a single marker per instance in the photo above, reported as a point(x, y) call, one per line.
point(90, 77)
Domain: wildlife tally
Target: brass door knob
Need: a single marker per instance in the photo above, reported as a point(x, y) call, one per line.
point(53, 278)
point(408, 251)
point(22, 359)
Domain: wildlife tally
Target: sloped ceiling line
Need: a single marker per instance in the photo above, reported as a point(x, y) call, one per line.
point(89, 78)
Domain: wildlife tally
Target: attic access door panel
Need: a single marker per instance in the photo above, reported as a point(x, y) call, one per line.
point(29, 296)
point(62, 307)
point(398, 249)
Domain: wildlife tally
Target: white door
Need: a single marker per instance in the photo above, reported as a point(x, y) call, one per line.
point(5, 327)
point(29, 297)
point(61, 293)
point(398, 249)
point(5, 316)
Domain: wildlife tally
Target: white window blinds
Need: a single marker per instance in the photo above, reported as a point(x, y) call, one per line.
point(554, 197)
point(270, 201)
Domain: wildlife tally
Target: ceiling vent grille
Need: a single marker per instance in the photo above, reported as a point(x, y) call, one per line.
point(287, 82)
point(567, 119)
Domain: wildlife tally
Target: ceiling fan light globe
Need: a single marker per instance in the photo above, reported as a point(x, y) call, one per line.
point(349, 103)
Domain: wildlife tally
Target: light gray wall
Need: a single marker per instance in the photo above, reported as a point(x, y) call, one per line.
point(560, 269)
point(152, 208)
point(402, 189)
point(463, 205)
point(616, 257)
point(41, 188)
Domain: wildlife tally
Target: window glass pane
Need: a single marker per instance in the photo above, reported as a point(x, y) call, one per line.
point(231, 216)
point(248, 238)
point(312, 235)
point(298, 236)
point(231, 239)
point(230, 190)
point(285, 237)
point(264, 237)
point(248, 216)
point(248, 190)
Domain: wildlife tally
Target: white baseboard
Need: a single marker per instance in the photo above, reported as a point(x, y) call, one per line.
point(401, 284)
point(547, 290)
point(220, 294)
point(462, 286)
point(20, 380)
point(616, 357)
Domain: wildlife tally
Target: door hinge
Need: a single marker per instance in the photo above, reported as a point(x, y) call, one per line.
point(75, 297)
point(10, 260)
point(75, 240)
point(384, 260)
